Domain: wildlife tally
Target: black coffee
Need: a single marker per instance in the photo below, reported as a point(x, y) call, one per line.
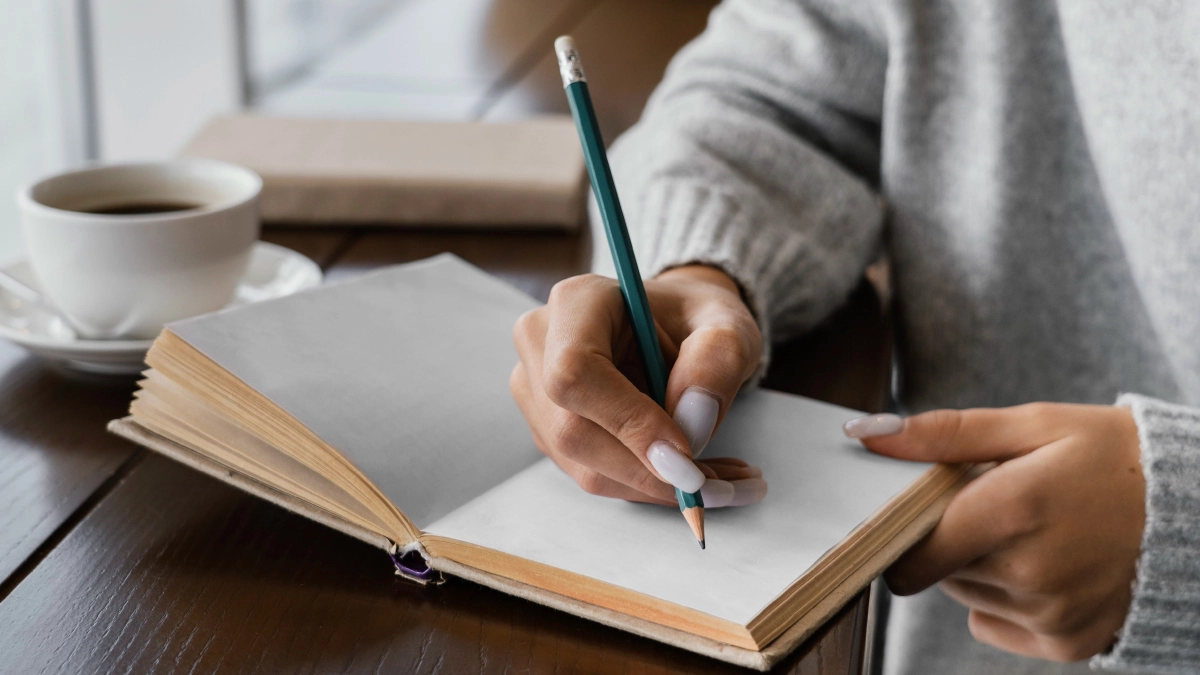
point(139, 208)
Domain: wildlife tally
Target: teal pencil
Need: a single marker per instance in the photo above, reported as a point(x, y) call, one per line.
point(575, 85)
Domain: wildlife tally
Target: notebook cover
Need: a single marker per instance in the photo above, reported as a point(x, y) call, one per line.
point(762, 660)
point(527, 174)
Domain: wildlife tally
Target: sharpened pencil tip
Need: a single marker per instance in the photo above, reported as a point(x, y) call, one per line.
point(695, 519)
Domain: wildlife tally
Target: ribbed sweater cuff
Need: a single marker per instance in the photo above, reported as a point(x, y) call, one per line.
point(685, 224)
point(1162, 630)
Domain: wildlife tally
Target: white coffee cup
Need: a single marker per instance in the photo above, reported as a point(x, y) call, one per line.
point(124, 275)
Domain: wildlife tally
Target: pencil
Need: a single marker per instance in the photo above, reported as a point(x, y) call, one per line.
point(691, 504)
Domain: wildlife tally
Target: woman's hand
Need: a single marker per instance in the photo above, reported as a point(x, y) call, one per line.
point(1043, 548)
point(576, 379)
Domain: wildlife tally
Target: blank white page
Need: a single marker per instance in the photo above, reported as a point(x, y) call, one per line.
point(821, 487)
point(404, 371)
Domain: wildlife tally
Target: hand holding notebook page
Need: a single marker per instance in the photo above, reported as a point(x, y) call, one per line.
point(380, 406)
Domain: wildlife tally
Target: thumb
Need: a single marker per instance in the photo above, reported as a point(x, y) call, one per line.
point(720, 349)
point(711, 367)
point(975, 435)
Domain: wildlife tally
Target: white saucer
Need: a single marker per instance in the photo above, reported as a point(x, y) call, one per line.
point(274, 272)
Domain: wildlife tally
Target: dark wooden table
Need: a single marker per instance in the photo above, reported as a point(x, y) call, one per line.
point(113, 559)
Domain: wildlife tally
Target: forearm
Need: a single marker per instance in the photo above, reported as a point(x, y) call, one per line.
point(757, 155)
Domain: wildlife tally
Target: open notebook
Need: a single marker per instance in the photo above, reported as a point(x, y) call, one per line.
point(380, 407)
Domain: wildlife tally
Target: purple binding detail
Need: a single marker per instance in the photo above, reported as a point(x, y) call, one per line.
point(413, 565)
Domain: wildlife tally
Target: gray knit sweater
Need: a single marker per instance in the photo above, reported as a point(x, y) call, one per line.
point(1031, 167)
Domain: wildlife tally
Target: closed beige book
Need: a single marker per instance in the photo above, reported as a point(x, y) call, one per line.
point(526, 174)
point(380, 407)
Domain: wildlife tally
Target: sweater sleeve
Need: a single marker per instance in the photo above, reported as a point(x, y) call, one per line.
point(759, 154)
point(1162, 630)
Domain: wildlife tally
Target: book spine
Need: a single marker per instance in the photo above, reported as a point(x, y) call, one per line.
point(412, 565)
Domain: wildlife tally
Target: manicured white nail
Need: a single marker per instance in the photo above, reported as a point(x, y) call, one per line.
point(697, 414)
point(716, 493)
point(675, 467)
point(873, 425)
point(747, 491)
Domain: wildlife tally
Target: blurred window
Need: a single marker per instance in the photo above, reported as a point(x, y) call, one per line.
point(32, 139)
point(287, 38)
point(134, 79)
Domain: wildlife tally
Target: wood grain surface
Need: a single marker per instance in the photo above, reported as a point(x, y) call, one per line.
point(54, 455)
point(177, 572)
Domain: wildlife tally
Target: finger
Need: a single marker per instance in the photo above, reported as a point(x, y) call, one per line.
point(596, 483)
point(1006, 635)
point(731, 461)
point(989, 599)
point(719, 353)
point(722, 348)
point(976, 435)
point(741, 492)
point(729, 471)
point(1065, 612)
point(518, 384)
point(564, 436)
point(582, 441)
point(1002, 634)
point(986, 515)
point(579, 375)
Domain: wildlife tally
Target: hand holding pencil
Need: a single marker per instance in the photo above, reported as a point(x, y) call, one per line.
point(582, 364)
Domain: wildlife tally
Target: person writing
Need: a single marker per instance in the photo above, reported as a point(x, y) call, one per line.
point(1030, 170)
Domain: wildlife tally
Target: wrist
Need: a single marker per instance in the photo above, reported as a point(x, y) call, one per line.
point(702, 273)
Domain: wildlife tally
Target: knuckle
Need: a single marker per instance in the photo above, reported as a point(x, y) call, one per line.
point(1022, 517)
point(565, 375)
point(591, 481)
point(630, 427)
point(726, 347)
point(526, 325)
point(1030, 576)
point(1057, 618)
point(574, 285)
point(1040, 415)
point(646, 483)
point(1066, 650)
point(569, 437)
point(945, 425)
point(516, 382)
point(979, 631)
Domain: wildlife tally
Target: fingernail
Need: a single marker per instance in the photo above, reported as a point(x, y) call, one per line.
point(748, 491)
point(873, 425)
point(697, 414)
point(716, 493)
point(675, 467)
